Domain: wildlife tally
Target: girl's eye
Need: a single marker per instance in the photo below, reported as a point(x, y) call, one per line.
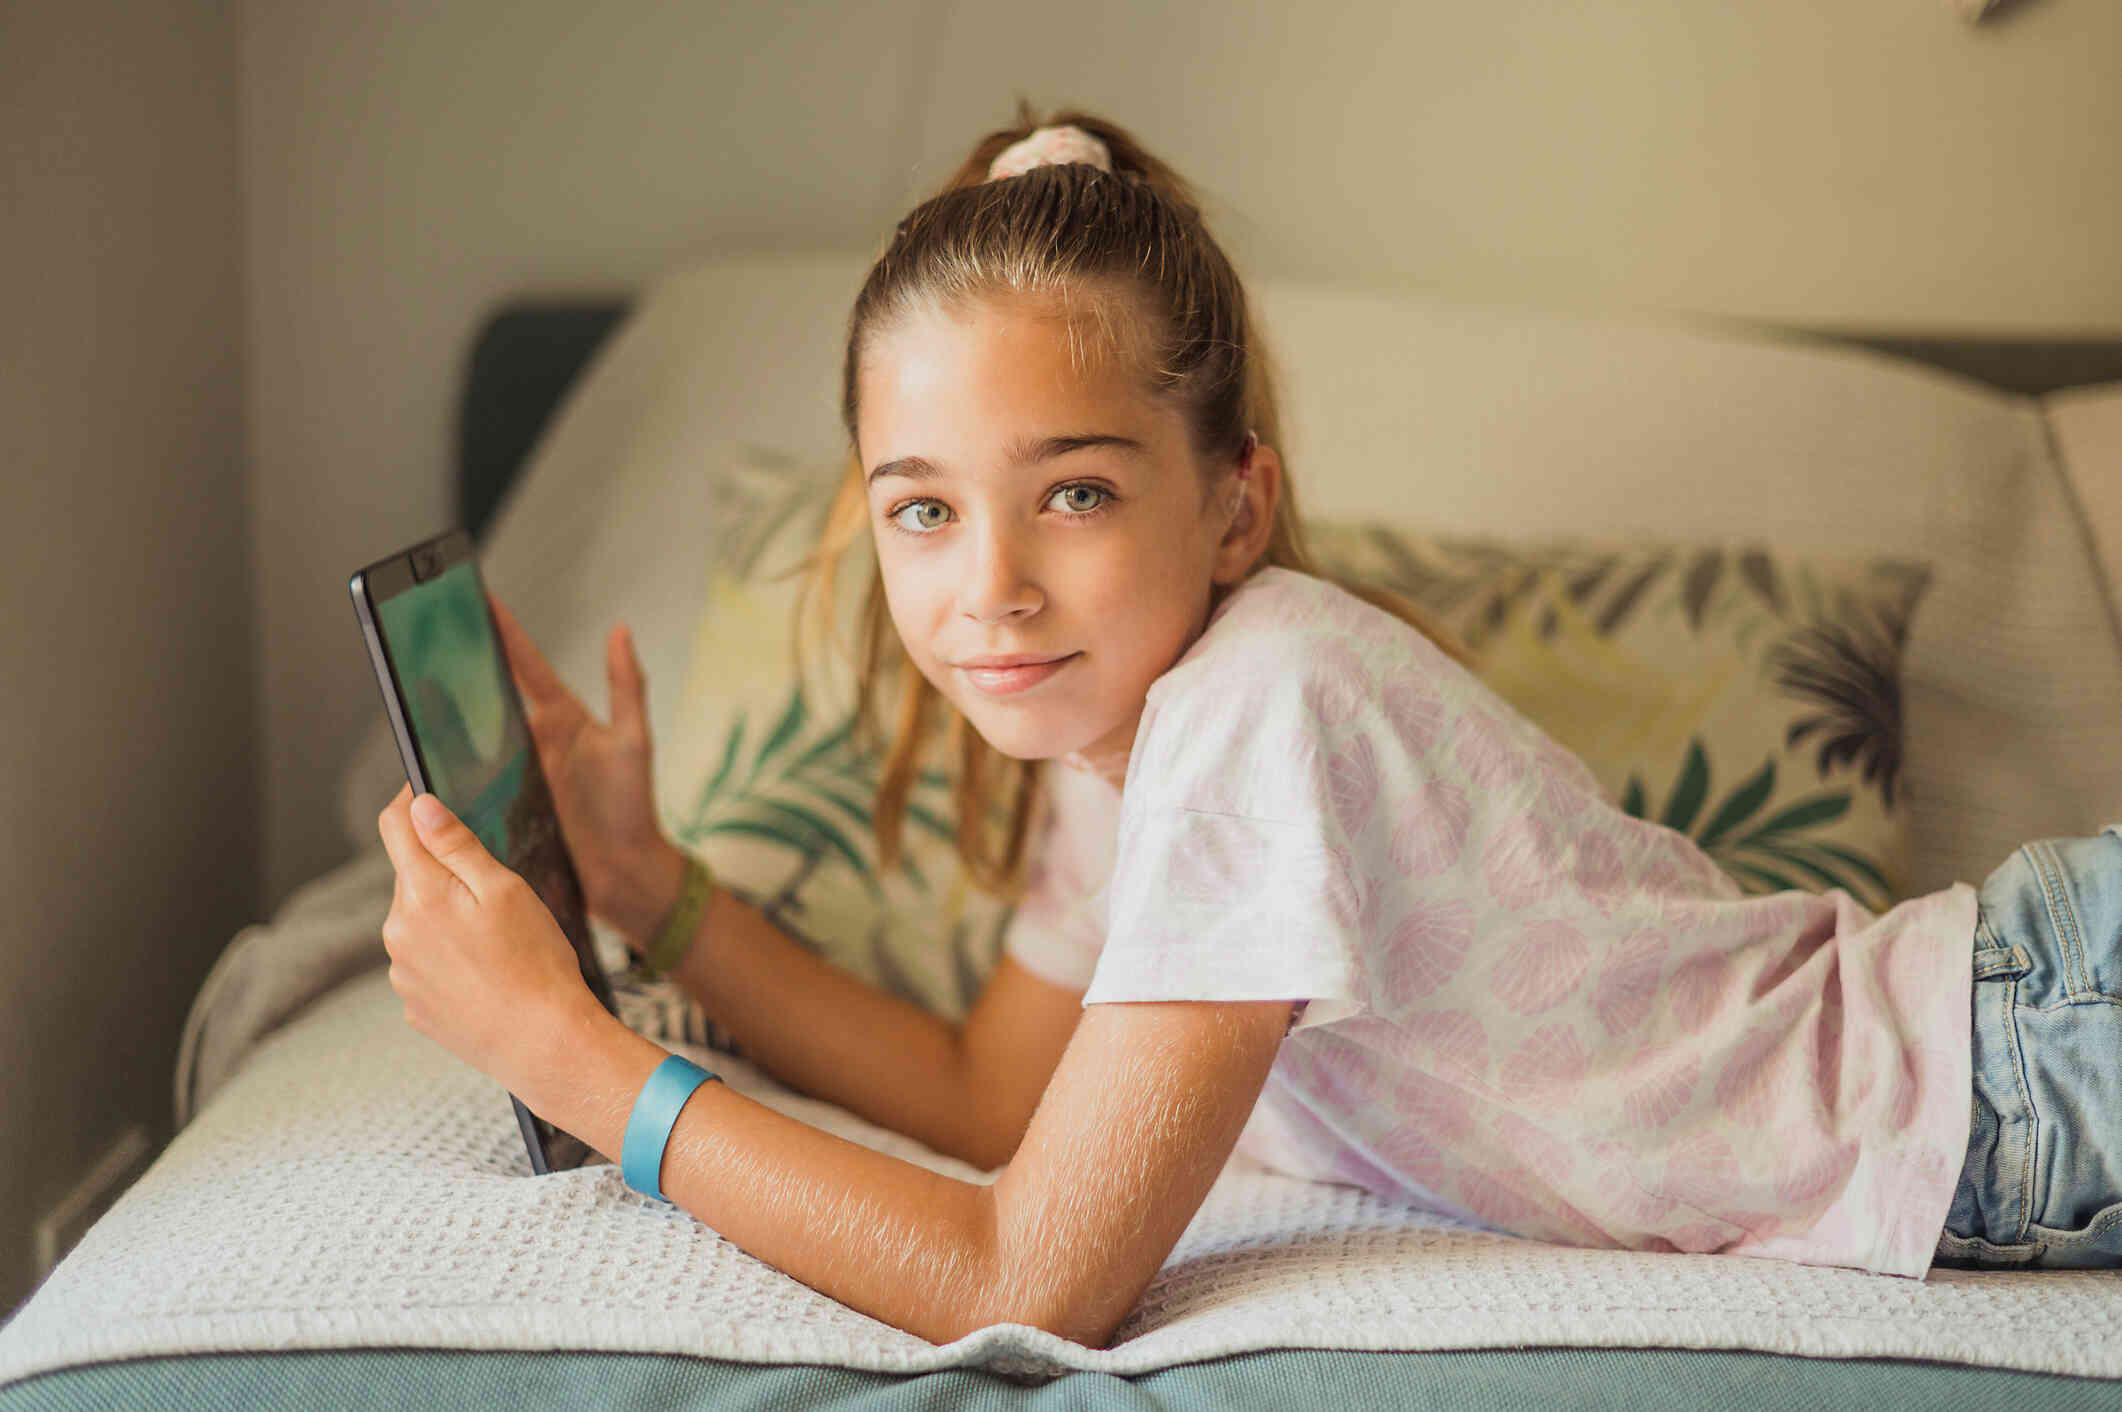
point(897, 522)
point(1077, 507)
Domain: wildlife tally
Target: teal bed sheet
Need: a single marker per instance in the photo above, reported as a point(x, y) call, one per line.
point(1536, 1379)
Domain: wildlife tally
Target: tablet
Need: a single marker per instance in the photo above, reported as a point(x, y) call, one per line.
point(463, 737)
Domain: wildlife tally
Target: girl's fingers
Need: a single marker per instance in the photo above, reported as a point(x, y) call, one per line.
point(629, 684)
point(534, 675)
point(419, 874)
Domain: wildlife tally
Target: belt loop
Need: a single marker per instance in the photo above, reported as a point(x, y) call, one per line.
point(1994, 961)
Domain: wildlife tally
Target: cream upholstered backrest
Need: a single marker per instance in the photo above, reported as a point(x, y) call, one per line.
point(1523, 422)
point(1467, 417)
point(2086, 423)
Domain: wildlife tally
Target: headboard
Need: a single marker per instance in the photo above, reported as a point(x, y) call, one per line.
point(523, 360)
point(529, 351)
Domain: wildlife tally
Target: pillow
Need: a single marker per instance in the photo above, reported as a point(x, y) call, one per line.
point(1750, 699)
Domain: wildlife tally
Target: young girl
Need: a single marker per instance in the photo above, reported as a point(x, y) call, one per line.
point(1297, 881)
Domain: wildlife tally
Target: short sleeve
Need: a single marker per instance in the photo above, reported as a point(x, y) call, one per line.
point(1058, 927)
point(1224, 907)
point(1234, 877)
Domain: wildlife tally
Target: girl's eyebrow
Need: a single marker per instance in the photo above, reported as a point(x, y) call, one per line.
point(1021, 453)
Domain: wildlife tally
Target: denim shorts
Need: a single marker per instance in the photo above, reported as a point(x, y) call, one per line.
point(2043, 1180)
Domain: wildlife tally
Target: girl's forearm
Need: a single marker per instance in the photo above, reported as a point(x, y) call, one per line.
point(893, 1240)
point(820, 1030)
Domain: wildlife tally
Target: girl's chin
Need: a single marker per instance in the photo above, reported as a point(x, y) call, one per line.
point(1017, 744)
point(1014, 735)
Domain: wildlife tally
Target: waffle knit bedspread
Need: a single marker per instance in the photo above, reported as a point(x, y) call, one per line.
point(352, 1184)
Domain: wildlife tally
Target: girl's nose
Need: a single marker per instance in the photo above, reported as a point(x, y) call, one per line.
point(999, 583)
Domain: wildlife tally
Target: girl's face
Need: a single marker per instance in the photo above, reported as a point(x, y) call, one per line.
point(1025, 510)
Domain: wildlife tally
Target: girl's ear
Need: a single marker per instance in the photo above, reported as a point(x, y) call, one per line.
point(1250, 517)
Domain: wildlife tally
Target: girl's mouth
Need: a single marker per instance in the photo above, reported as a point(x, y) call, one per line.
point(1005, 681)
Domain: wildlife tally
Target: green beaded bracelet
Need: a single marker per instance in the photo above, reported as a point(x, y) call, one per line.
point(682, 923)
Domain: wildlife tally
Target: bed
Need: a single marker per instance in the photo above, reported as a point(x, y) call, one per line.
point(1592, 498)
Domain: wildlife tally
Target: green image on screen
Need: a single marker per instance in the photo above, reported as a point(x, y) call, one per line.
point(473, 740)
point(452, 678)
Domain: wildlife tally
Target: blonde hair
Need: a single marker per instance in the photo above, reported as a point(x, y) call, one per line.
point(1127, 257)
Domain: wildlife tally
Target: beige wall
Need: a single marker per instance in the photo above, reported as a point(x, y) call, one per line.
point(1868, 163)
point(128, 839)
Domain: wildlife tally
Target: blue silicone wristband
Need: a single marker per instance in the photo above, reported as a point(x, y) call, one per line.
point(655, 1113)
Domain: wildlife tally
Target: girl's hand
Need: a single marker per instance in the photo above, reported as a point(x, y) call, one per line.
point(602, 785)
point(482, 967)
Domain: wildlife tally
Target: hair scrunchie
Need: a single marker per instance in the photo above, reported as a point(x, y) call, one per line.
point(1048, 145)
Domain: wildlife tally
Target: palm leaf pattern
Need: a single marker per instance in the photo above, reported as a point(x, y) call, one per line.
point(814, 796)
point(1770, 854)
point(1848, 664)
point(1477, 584)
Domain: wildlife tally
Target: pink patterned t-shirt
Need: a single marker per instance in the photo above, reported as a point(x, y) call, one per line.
point(1524, 1008)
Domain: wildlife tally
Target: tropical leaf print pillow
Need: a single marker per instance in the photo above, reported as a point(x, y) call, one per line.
point(1746, 697)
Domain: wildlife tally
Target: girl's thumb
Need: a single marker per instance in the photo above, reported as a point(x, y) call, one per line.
point(451, 841)
point(429, 814)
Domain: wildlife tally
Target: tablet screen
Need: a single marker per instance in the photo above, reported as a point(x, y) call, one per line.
point(473, 744)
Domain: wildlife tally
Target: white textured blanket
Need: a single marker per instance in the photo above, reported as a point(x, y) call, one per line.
point(355, 1185)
